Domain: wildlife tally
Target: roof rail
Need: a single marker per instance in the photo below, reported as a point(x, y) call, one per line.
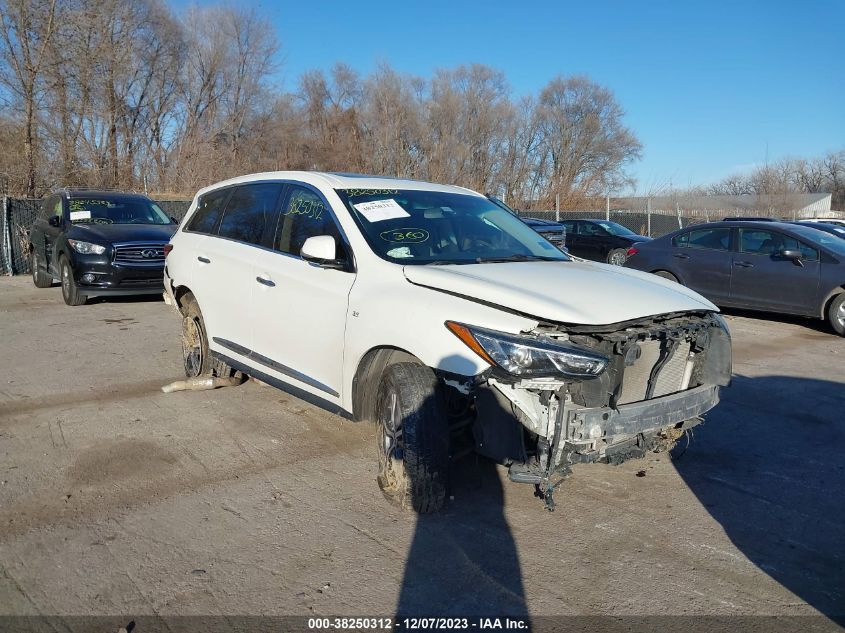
point(748, 219)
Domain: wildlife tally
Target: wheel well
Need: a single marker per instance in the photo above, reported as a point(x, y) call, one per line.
point(367, 378)
point(663, 270)
point(179, 292)
point(830, 299)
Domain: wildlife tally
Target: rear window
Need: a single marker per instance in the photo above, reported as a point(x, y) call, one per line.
point(209, 210)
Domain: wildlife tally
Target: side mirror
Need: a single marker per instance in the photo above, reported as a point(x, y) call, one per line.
point(54, 220)
point(322, 251)
point(793, 254)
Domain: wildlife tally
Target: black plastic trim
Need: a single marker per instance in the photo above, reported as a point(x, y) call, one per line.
point(275, 366)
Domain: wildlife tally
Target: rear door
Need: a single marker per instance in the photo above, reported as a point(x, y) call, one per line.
point(764, 279)
point(703, 258)
point(222, 278)
point(49, 235)
point(299, 308)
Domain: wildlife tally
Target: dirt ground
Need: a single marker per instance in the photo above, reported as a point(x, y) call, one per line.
point(117, 498)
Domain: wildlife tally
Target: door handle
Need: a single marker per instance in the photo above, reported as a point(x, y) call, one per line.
point(204, 260)
point(265, 281)
point(680, 256)
point(744, 264)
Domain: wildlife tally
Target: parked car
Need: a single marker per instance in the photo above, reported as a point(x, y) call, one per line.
point(99, 243)
point(552, 231)
point(600, 240)
point(772, 266)
point(428, 309)
point(825, 221)
point(834, 229)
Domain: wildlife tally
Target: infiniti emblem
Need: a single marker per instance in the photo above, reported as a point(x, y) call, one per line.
point(149, 253)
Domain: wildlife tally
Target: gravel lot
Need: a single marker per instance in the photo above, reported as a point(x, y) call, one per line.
point(117, 498)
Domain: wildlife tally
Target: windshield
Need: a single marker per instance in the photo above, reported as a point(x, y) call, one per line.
point(435, 227)
point(116, 211)
point(615, 229)
point(816, 236)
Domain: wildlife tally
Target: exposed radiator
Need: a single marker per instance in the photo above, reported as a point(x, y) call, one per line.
point(669, 380)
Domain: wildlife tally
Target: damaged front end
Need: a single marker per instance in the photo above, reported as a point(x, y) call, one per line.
point(594, 393)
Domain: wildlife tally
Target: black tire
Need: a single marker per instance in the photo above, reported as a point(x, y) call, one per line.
point(666, 275)
point(836, 314)
point(40, 277)
point(413, 438)
point(617, 256)
point(196, 358)
point(70, 291)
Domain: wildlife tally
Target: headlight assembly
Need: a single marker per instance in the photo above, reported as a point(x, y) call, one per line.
point(530, 356)
point(87, 248)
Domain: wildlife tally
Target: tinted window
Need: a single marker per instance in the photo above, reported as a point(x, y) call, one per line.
point(588, 228)
point(209, 210)
point(759, 242)
point(249, 211)
point(681, 240)
point(569, 227)
point(716, 239)
point(304, 215)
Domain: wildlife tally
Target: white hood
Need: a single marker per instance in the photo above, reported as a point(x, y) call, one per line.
point(565, 292)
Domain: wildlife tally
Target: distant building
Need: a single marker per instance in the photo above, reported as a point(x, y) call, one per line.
point(801, 205)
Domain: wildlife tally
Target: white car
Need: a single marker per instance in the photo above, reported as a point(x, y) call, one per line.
point(824, 221)
point(443, 318)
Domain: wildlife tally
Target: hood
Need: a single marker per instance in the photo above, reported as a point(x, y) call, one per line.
point(577, 292)
point(111, 233)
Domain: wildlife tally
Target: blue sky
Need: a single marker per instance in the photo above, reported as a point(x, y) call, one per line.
point(710, 88)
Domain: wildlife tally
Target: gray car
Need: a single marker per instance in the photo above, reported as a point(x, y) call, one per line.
point(772, 266)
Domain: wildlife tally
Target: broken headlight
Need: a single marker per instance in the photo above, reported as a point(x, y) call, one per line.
point(527, 356)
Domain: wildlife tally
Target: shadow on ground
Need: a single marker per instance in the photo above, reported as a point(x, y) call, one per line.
point(769, 466)
point(464, 561)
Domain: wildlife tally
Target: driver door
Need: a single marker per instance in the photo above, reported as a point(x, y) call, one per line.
point(764, 279)
point(299, 308)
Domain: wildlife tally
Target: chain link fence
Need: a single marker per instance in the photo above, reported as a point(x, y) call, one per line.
point(651, 223)
point(17, 216)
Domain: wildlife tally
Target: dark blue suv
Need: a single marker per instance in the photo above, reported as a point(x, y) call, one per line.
point(99, 243)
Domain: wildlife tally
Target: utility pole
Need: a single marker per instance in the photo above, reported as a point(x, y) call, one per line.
point(607, 207)
point(557, 207)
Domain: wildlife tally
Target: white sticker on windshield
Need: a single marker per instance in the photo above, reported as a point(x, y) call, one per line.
point(80, 215)
point(379, 210)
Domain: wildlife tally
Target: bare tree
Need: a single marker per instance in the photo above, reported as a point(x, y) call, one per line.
point(26, 27)
point(584, 144)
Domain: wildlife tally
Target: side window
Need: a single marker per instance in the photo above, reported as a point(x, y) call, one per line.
point(249, 211)
point(588, 228)
point(209, 209)
point(303, 216)
point(713, 239)
point(569, 227)
point(761, 242)
point(681, 241)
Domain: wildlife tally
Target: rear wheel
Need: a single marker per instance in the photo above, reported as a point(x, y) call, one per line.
point(195, 355)
point(39, 276)
point(70, 291)
point(413, 438)
point(617, 256)
point(666, 275)
point(836, 314)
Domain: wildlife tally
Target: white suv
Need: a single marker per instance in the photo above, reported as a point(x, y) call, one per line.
point(443, 318)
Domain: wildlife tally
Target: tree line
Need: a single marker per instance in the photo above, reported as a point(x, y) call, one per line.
point(127, 94)
point(822, 174)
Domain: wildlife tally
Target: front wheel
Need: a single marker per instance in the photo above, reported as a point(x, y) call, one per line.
point(70, 291)
point(413, 438)
point(196, 357)
point(836, 314)
point(40, 277)
point(617, 256)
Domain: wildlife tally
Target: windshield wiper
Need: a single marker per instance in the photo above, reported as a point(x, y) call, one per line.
point(517, 258)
